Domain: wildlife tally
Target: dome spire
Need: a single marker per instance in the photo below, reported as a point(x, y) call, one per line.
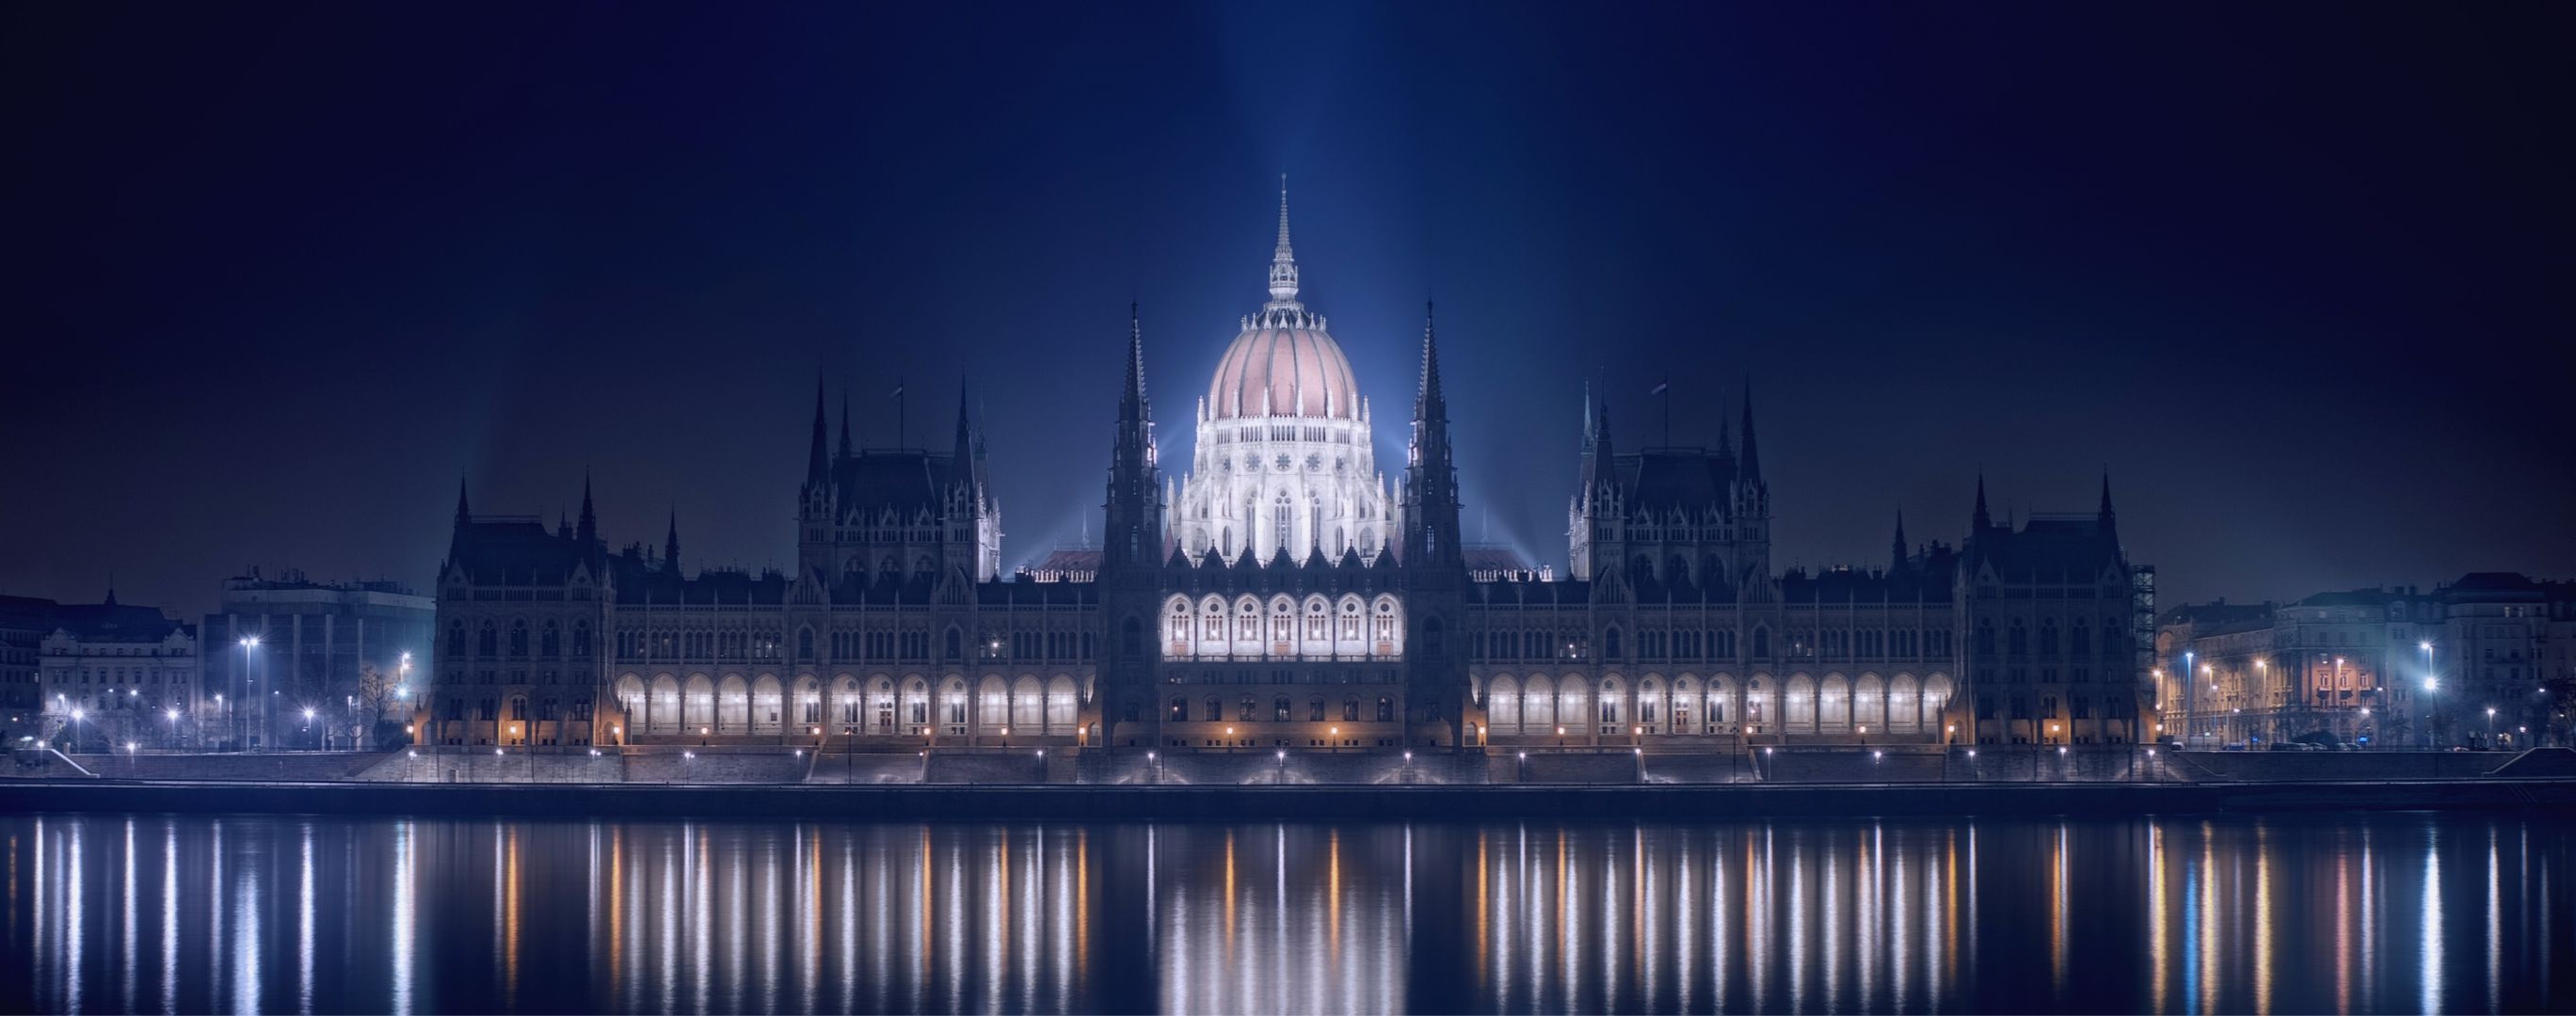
point(1283, 259)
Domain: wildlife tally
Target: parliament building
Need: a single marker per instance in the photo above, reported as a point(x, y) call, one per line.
point(1289, 595)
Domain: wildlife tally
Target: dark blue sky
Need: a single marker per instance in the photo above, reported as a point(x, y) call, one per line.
point(2296, 275)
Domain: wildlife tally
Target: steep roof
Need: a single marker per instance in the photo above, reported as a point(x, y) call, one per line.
point(112, 622)
point(519, 551)
point(1669, 479)
point(2066, 548)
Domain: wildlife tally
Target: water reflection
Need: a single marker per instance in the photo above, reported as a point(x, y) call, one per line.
point(274, 914)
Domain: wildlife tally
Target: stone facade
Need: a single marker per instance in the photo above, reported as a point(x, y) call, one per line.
point(1285, 598)
point(112, 674)
point(2395, 667)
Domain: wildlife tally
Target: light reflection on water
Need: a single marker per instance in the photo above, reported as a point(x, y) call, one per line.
point(2308, 914)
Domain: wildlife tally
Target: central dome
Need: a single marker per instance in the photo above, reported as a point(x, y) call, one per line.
point(1283, 363)
point(1283, 368)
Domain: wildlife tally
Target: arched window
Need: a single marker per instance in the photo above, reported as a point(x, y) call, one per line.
point(2079, 642)
point(2048, 637)
point(804, 643)
point(518, 639)
point(456, 639)
point(2019, 638)
point(1180, 709)
point(1315, 709)
point(550, 643)
point(1243, 710)
point(1279, 709)
point(1385, 709)
point(1761, 643)
point(1985, 637)
point(955, 643)
point(1215, 710)
point(488, 641)
point(581, 640)
point(1350, 708)
point(1610, 643)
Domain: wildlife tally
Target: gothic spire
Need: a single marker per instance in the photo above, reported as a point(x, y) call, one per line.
point(588, 529)
point(1428, 402)
point(671, 545)
point(965, 430)
point(816, 465)
point(1431, 482)
point(1283, 260)
point(1131, 398)
point(1131, 519)
point(1983, 520)
point(1897, 563)
point(2108, 519)
point(1752, 452)
point(464, 514)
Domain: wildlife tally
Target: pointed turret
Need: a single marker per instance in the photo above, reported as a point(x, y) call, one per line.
point(1132, 518)
point(587, 530)
point(1752, 455)
point(671, 545)
point(1983, 520)
point(1431, 507)
point(1896, 563)
point(1283, 260)
point(2106, 518)
point(817, 464)
point(464, 516)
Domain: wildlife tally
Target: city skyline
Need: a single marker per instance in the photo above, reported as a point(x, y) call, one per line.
point(512, 320)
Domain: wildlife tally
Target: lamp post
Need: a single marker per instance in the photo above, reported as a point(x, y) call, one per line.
point(308, 726)
point(2431, 682)
point(2190, 693)
point(2490, 728)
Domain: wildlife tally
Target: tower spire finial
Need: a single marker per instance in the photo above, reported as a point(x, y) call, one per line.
point(1283, 259)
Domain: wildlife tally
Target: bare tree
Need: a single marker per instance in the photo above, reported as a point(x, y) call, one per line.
point(375, 693)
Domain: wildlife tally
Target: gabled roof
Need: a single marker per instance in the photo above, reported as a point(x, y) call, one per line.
point(515, 551)
point(1663, 480)
point(2046, 548)
point(112, 622)
point(905, 482)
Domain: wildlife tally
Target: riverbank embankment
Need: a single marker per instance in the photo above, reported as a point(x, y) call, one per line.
point(1380, 802)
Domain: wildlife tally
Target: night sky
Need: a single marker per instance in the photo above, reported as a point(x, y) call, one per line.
point(278, 277)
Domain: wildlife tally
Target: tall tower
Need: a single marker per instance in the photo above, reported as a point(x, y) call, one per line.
point(1132, 518)
point(1431, 476)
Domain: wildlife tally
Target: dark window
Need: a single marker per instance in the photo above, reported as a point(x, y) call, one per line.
point(1385, 709)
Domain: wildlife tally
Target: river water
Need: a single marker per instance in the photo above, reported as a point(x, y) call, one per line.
point(2336, 913)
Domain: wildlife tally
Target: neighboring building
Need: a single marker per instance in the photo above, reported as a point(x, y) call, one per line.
point(24, 623)
point(316, 644)
point(1286, 596)
point(112, 674)
point(2401, 667)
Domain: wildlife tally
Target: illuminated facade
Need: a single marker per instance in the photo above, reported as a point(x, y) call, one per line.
point(2395, 667)
point(1285, 596)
